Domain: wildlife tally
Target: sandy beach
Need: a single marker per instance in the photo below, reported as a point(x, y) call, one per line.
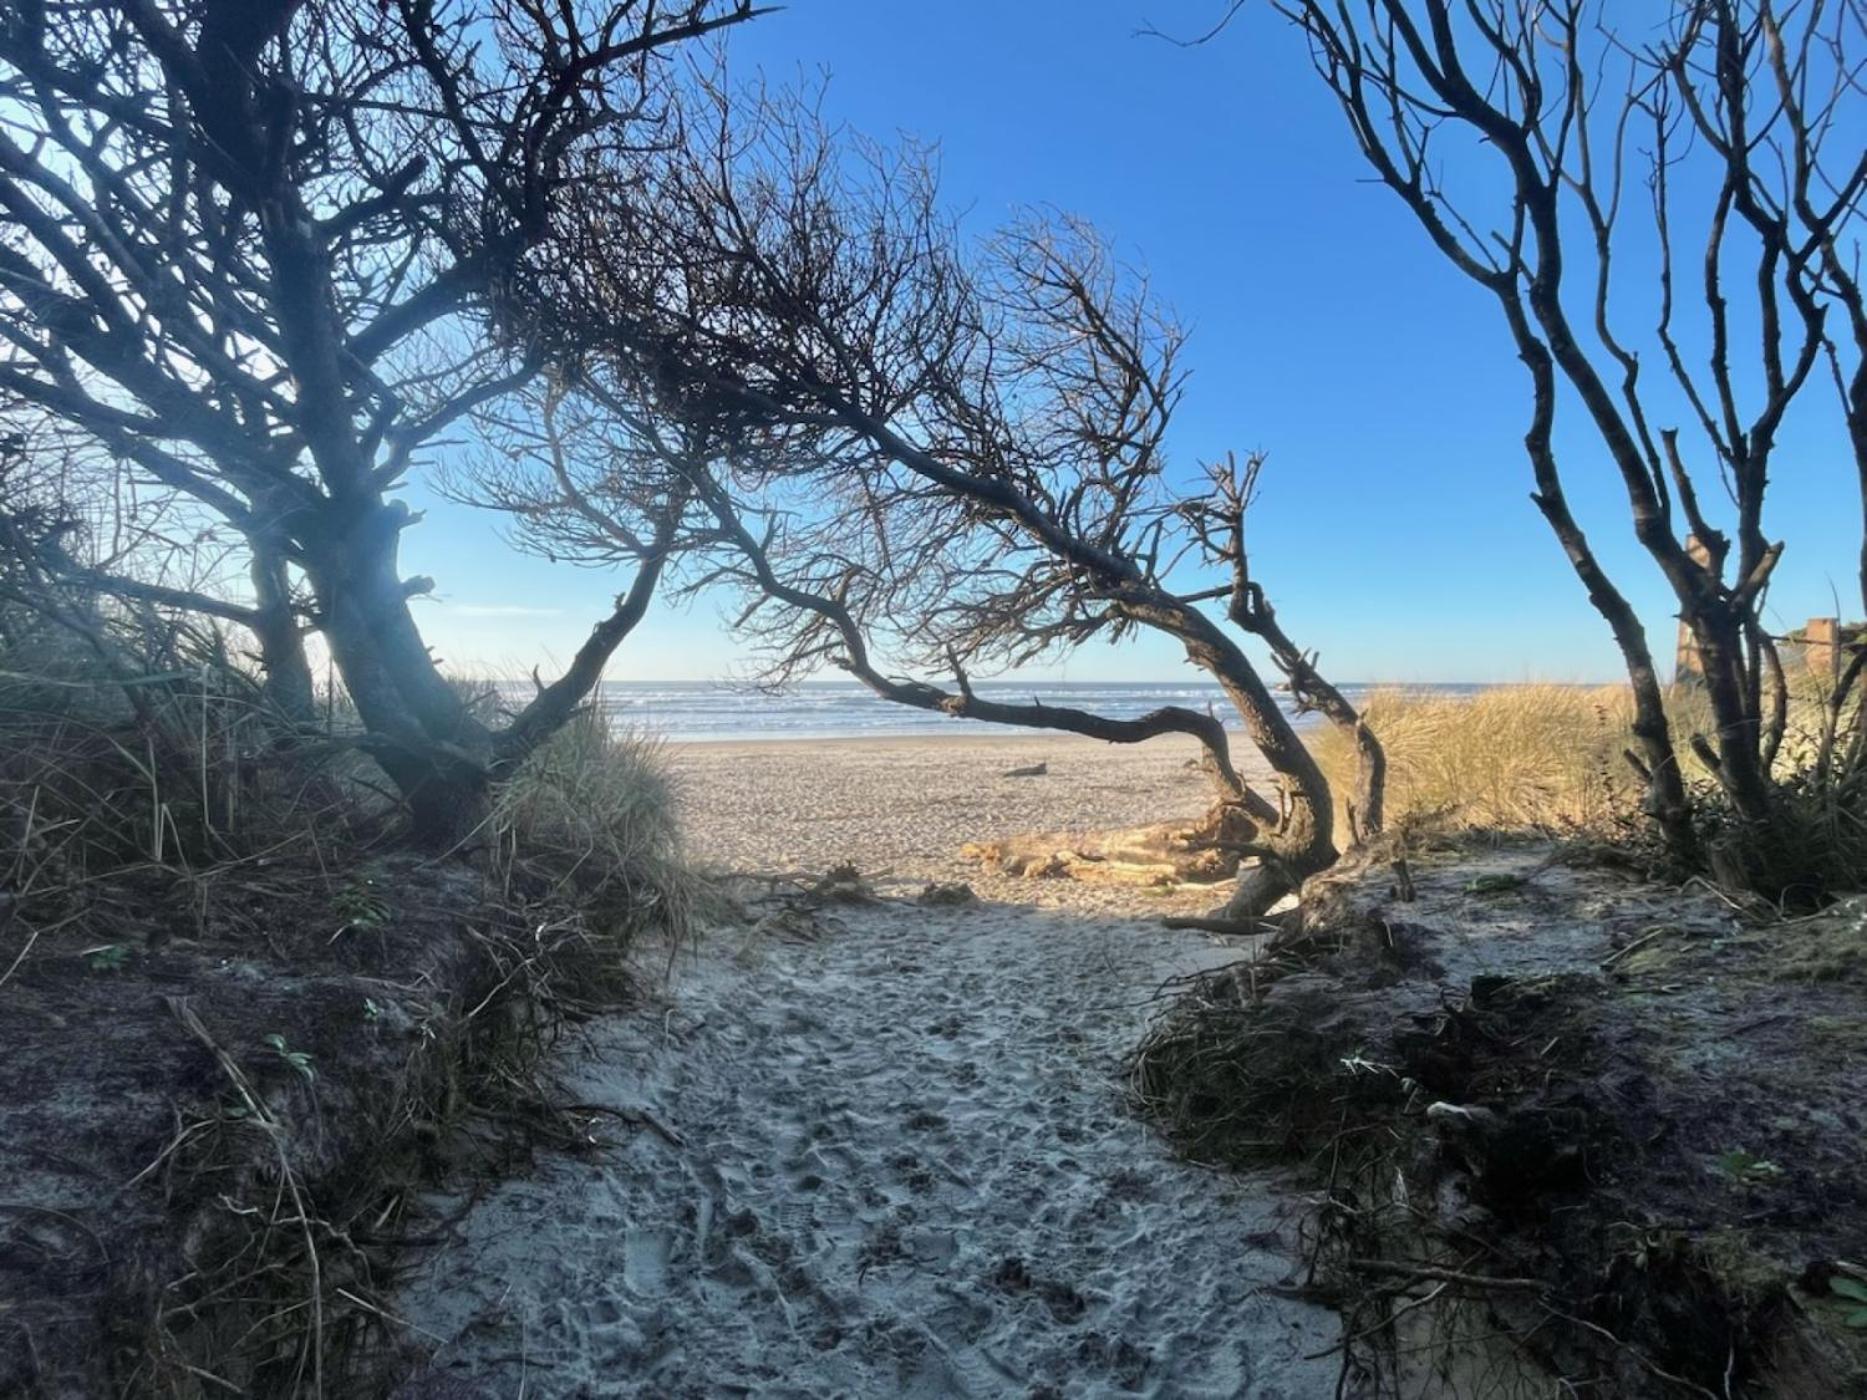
point(901, 809)
point(883, 1149)
point(878, 1150)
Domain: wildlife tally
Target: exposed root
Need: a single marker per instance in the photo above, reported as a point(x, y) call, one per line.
point(1235, 928)
point(1260, 889)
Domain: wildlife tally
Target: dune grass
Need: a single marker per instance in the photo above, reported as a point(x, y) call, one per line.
point(157, 750)
point(1515, 757)
point(1551, 758)
point(596, 812)
point(139, 751)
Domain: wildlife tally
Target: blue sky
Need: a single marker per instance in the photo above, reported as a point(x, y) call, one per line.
point(1395, 532)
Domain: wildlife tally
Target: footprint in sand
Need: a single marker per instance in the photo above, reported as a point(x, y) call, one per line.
point(854, 1210)
point(645, 1260)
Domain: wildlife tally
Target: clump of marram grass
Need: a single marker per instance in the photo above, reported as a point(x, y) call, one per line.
point(1526, 756)
point(146, 744)
point(595, 813)
point(1552, 758)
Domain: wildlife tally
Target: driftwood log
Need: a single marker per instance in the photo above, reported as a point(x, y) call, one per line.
point(1201, 851)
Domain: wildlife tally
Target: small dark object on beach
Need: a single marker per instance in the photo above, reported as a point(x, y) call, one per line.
point(1035, 770)
point(942, 895)
point(842, 884)
point(1012, 1275)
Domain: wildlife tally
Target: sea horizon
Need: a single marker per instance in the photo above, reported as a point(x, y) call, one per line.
point(725, 711)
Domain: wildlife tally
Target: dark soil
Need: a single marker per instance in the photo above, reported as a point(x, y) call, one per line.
point(1566, 1124)
point(210, 1121)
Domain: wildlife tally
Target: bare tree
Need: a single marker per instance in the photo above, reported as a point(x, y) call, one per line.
point(249, 246)
point(1218, 521)
point(586, 489)
point(1744, 110)
point(963, 449)
point(607, 480)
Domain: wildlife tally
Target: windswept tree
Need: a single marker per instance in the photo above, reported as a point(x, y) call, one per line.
point(1724, 148)
point(957, 454)
point(247, 253)
point(604, 479)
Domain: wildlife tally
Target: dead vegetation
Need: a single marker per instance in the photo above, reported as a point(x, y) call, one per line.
point(975, 480)
point(1202, 850)
point(1559, 1123)
point(341, 193)
point(1724, 112)
point(240, 1023)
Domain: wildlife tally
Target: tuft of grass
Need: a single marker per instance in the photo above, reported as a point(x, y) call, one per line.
point(153, 750)
point(595, 815)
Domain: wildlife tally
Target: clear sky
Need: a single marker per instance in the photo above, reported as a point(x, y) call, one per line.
point(1395, 532)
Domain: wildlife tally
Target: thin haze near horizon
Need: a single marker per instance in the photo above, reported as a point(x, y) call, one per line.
point(1395, 532)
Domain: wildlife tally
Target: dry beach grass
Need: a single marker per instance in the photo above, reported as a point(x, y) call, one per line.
point(1519, 756)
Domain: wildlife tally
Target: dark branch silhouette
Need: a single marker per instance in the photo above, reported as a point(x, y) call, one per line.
point(254, 244)
point(960, 449)
point(1748, 99)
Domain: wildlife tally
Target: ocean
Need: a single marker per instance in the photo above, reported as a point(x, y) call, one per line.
point(713, 711)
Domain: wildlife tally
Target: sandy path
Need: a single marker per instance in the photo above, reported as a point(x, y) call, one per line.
point(905, 1169)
